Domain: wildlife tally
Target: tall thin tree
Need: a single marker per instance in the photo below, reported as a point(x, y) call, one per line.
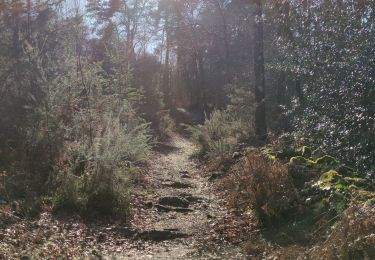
point(260, 95)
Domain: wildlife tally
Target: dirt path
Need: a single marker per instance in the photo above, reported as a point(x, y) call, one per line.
point(176, 214)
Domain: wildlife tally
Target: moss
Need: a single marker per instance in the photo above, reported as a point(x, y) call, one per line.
point(326, 160)
point(331, 176)
point(332, 180)
point(299, 160)
point(305, 151)
point(342, 187)
point(360, 182)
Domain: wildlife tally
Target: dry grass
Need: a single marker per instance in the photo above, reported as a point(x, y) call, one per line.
point(260, 185)
point(352, 238)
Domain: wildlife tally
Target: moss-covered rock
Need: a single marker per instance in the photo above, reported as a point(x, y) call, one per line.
point(333, 180)
point(331, 176)
point(302, 161)
point(327, 161)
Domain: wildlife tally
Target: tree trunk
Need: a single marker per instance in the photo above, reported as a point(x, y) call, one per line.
point(260, 102)
point(166, 73)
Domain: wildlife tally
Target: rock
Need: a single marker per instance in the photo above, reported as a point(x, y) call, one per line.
point(174, 202)
point(162, 235)
point(170, 209)
point(216, 175)
point(331, 176)
point(332, 180)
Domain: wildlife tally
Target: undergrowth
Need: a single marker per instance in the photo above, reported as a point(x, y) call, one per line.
point(304, 204)
point(224, 130)
point(94, 177)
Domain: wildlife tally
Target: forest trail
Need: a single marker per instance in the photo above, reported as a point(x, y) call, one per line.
point(176, 215)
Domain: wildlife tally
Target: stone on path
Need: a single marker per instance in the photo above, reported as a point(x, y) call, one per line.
point(169, 209)
point(174, 201)
point(161, 235)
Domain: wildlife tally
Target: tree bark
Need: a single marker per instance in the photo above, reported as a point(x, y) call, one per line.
point(260, 102)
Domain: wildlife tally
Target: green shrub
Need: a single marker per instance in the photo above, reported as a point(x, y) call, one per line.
point(95, 177)
point(70, 196)
point(220, 134)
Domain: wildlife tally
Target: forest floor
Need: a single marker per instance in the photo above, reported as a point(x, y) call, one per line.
point(175, 215)
point(180, 209)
